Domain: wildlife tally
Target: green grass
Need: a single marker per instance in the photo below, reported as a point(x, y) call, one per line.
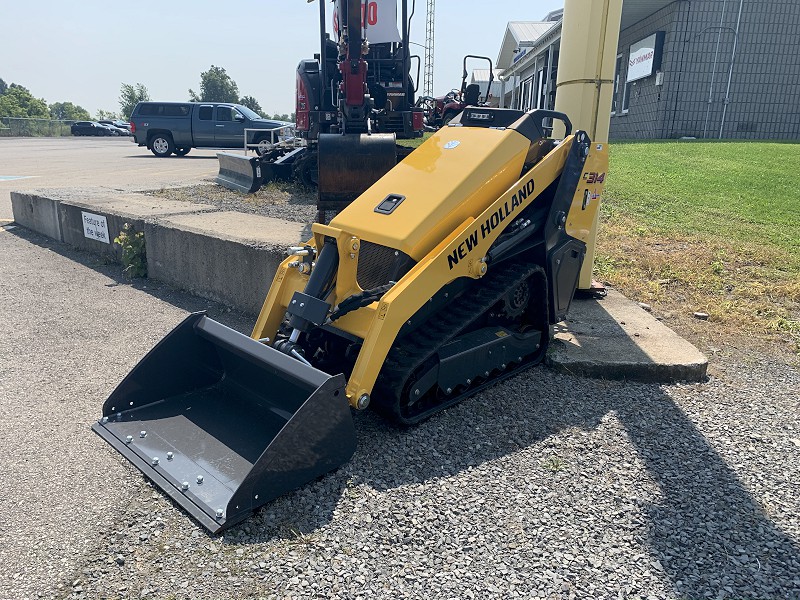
point(707, 226)
point(740, 191)
point(414, 143)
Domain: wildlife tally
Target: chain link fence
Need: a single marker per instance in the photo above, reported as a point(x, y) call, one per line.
point(20, 127)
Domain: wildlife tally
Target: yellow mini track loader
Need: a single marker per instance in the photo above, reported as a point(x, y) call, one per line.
point(443, 278)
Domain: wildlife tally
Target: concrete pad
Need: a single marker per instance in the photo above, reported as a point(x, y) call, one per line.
point(614, 338)
point(117, 209)
point(37, 212)
point(228, 257)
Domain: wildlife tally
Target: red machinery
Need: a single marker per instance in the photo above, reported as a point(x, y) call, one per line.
point(353, 100)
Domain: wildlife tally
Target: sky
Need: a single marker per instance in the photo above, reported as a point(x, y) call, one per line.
point(82, 51)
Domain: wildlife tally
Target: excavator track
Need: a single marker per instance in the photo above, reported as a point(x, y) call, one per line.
point(405, 359)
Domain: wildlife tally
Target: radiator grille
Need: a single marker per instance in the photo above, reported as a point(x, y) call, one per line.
point(378, 265)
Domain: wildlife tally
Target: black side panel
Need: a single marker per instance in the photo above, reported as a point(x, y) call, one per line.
point(564, 264)
point(559, 246)
point(378, 265)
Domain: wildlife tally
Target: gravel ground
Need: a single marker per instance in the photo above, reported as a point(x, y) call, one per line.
point(277, 199)
point(544, 486)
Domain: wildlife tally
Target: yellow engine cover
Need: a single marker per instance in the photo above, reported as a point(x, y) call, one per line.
point(452, 176)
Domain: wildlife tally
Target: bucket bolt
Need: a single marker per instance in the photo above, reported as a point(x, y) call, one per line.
point(185, 486)
point(142, 434)
point(363, 402)
point(199, 480)
point(155, 461)
point(129, 439)
point(169, 455)
point(220, 513)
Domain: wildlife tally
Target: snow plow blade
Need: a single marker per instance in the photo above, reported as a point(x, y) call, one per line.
point(238, 172)
point(223, 424)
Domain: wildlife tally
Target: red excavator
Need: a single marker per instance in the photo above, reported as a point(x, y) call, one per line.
point(353, 100)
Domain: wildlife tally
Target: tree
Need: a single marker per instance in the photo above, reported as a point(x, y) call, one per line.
point(283, 117)
point(215, 86)
point(252, 104)
point(129, 96)
point(19, 102)
point(67, 111)
point(103, 115)
point(3, 87)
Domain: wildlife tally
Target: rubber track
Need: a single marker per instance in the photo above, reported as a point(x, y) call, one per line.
point(414, 349)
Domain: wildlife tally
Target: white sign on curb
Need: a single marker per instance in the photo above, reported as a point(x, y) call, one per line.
point(95, 227)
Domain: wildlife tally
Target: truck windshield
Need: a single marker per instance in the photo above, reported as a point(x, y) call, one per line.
point(248, 113)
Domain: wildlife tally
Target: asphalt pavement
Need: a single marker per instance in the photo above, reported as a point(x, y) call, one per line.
point(71, 329)
point(96, 162)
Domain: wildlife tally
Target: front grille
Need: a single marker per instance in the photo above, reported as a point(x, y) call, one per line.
point(378, 265)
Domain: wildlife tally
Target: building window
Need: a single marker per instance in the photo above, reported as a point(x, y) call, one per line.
point(527, 85)
point(626, 97)
point(615, 94)
point(627, 90)
point(540, 88)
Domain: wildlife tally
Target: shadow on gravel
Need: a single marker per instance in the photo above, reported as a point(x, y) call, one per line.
point(708, 532)
point(715, 542)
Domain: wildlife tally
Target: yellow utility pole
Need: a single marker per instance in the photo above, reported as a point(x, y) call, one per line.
point(585, 83)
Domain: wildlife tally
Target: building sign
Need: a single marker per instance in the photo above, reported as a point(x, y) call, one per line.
point(645, 57)
point(378, 18)
point(518, 56)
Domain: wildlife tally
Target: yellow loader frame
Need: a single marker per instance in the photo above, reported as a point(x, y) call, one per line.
point(379, 323)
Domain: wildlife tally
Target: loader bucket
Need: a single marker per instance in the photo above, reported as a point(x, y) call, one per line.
point(238, 172)
point(223, 424)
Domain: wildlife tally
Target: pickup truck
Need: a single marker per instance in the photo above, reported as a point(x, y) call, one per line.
point(177, 127)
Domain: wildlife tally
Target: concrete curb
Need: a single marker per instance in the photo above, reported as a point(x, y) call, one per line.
point(37, 213)
point(223, 256)
point(118, 210)
point(614, 338)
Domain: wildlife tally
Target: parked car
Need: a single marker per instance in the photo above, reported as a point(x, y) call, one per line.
point(90, 128)
point(177, 127)
point(115, 129)
point(118, 124)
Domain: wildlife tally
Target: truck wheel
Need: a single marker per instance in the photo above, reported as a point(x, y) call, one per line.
point(182, 151)
point(162, 145)
point(448, 116)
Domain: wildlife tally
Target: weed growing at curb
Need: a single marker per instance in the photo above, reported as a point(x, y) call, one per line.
point(134, 258)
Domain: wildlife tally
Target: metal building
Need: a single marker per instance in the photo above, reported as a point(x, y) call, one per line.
point(689, 68)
